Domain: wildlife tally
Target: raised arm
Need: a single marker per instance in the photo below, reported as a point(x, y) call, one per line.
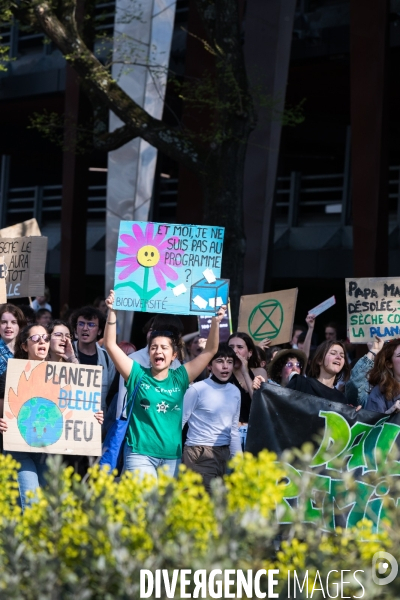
point(122, 362)
point(310, 320)
point(198, 364)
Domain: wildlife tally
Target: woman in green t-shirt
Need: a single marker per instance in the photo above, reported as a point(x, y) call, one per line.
point(154, 437)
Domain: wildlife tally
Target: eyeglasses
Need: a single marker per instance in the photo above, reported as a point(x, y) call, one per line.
point(35, 338)
point(90, 324)
point(60, 335)
point(290, 365)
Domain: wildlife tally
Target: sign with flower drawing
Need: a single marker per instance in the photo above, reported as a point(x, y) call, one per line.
point(169, 268)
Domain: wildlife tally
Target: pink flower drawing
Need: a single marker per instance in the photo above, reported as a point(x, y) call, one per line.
point(147, 249)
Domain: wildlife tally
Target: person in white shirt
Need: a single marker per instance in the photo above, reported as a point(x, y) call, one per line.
point(42, 301)
point(211, 408)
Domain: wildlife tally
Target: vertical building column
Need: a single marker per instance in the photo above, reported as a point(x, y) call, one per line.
point(369, 49)
point(268, 40)
point(75, 181)
point(131, 168)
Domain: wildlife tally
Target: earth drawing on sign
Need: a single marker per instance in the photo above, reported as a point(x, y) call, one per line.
point(266, 320)
point(35, 406)
point(40, 422)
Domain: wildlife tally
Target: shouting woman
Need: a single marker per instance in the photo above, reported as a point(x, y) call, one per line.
point(154, 437)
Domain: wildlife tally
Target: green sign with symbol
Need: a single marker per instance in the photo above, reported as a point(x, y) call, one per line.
point(266, 320)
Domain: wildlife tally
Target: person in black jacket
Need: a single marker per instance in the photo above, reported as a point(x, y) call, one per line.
point(328, 366)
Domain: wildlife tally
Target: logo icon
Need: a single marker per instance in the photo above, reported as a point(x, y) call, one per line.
point(384, 563)
point(266, 320)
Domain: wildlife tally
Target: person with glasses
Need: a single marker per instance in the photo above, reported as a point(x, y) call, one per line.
point(32, 343)
point(284, 364)
point(88, 325)
point(61, 348)
point(154, 437)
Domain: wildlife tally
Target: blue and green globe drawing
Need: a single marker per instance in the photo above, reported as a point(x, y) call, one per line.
point(40, 422)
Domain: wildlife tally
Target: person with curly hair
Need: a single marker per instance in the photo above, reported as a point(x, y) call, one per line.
point(88, 325)
point(285, 365)
point(385, 379)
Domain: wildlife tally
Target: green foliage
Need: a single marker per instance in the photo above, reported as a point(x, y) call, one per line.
point(4, 58)
point(52, 126)
point(89, 541)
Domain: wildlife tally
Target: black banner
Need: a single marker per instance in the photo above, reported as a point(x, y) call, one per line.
point(353, 441)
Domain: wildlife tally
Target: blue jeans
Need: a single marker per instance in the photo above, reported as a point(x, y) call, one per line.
point(30, 474)
point(243, 435)
point(149, 464)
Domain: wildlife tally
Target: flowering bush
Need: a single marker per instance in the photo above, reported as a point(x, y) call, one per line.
point(89, 541)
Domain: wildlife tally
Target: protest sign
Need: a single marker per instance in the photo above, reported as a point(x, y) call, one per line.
point(318, 310)
point(49, 407)
point(169, 268)
point(352, 441)
point(225, 326)
point(25, 258)
point(24, 229)
point(3, 275)
point(268, 315)
point(373, 308)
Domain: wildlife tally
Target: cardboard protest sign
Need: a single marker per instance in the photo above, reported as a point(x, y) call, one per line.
point(373, 308)
point(225, 326)
point(23, 229)
point(3, 275)
point(25, 258)
point(49, 407)
point(169, 268)
point(268, 315)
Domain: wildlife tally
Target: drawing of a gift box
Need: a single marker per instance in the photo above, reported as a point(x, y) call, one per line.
point(207, 297)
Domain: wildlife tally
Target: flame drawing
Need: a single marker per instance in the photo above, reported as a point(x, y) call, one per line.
point(32, 383)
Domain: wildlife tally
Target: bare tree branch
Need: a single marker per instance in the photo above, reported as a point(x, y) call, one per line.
point(115, 139)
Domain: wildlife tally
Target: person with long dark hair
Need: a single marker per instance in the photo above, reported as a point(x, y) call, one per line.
point(328, 366)
point(12, 319)
point(32, 343)
point(154, 437)
point(385, 379)
point(246, 367)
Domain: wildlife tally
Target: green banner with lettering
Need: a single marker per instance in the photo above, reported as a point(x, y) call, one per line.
point(344, 441)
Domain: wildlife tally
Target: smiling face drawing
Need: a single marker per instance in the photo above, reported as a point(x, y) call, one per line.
point(148, 256)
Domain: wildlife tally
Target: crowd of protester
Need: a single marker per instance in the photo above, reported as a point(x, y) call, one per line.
point(192, 396)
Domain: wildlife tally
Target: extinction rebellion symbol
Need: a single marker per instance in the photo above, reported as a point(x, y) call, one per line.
point(266, 320)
